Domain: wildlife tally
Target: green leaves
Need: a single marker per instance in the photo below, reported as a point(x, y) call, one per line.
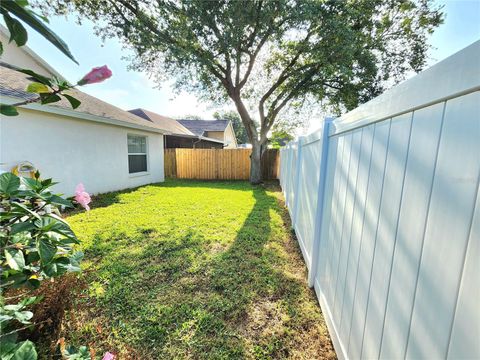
point(15, 28)
point(36, 242)
point(57, 267)
point(8, 110)
point(21, 11)
point(37, 88)
point(58, 200)
point(24, 350)
point(40, 78)
point(46, 250)
point(50, 224)
point(73, 101)
point(15, 259)
point(21, 227)
point(49, 98)
point(73, 353)
point(9, 184)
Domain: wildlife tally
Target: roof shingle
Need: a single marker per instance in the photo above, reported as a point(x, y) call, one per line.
point(199, 127)
point(14, 83)
point(166, 123)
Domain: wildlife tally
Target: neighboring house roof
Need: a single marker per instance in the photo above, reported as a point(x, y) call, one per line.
point(172, 125)
point(199, 127)
point(14, 83)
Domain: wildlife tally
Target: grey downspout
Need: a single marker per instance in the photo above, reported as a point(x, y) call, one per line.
point(196, 142)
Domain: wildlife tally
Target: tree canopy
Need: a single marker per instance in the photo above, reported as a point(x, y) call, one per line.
point(269, 56)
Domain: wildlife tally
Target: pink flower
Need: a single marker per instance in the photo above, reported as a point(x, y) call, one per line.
point(108, 356)
point(82, 197)
point(96, 75)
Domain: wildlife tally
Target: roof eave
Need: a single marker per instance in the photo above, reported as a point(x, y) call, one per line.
point(211, 139)
point(82, 116)
point(197, 137)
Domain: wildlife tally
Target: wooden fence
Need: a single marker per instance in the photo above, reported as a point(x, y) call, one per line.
point(217, 164)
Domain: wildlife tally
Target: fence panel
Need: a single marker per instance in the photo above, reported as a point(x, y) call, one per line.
point(218, 164)
point(170, 163)
point(308, 182)
point(393, 247)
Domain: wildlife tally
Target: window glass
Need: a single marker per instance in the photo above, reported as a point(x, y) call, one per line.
point(137, 153)
point(137, 144)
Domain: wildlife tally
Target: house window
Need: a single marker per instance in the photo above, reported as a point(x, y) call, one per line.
point(137, 154)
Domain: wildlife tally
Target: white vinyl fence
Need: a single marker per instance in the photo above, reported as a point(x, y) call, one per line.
point(385, 205)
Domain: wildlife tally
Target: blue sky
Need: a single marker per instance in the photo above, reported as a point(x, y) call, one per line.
point(128, 89)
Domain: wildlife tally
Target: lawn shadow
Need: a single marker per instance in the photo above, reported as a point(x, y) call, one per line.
point(188, 297)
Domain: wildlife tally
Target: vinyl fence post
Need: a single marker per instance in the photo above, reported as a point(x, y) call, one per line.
point(288, 182)
point(320, 203)
point(296, 189)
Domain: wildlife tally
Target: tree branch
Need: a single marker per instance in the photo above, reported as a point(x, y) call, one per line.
point(284, 75)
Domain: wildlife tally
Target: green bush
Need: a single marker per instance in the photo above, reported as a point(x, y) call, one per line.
point(36, 244)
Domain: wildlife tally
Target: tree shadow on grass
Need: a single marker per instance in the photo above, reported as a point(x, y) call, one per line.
point(174, 296)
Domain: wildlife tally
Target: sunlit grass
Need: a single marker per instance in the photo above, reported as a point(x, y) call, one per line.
point(203, 270)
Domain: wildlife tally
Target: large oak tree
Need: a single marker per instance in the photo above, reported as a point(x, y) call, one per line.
point(265, 55)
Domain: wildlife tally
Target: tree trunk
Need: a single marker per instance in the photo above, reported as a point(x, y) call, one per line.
point(255, 163)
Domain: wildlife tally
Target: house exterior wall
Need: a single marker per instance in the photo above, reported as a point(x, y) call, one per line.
point(72, 151)
point(230, 138)
point(219, 135)
point(12, 54)
point(227, 136)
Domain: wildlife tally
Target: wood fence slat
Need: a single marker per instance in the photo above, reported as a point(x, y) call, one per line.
point(217, 164)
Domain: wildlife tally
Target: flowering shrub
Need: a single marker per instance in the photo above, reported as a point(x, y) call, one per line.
point(36, 244)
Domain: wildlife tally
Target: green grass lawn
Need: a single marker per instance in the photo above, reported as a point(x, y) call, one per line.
point(194, 270)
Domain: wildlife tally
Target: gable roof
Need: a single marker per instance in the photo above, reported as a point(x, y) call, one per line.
point(199, 127)
point(171, 125)
point(14, 83)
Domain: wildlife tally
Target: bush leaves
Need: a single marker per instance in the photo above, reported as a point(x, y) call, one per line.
point(9, 183)
point(46, 250)
point(37, 88)
point(15, 259)
point(8, 110)
point(73, 101)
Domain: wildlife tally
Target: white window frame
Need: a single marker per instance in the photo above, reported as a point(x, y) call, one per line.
point(140, 173)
